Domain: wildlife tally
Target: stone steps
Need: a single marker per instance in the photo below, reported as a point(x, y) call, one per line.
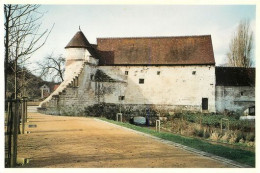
point(32, 108)
point(68, 84)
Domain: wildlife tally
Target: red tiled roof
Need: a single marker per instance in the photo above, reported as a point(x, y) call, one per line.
point(156, 50)
point(55, 87)
point(78, 41)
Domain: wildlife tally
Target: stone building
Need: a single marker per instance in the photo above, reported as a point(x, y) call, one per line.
point(45, 91)
point(136, 76)
point(235, 89)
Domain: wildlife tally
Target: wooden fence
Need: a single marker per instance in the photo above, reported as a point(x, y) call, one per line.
point(15, 119)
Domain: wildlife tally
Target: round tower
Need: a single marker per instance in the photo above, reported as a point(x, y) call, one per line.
point(76, 52)
point(77, 48)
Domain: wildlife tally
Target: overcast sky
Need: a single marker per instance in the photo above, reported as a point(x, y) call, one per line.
point(219, 21)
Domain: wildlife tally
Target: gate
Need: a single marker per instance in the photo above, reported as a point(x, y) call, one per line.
point(15, 118)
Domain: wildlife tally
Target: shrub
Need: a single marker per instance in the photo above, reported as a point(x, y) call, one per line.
point(198, 132)
point(225, 137)
point(214, 136)
point(213, 120)
point(240, 136)
point(250, 137)
point(206, 133)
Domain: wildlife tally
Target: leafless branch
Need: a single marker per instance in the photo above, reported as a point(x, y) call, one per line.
point(240, 47)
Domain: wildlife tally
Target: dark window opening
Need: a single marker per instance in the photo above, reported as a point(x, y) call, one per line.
point(121, 97)
point(76, 82)
point(126, 72)
point(241, 93)
point(158, 72)
point(204, 103)
point(193, 72)
point(91, 77)
point(141, 81)
point(251, 110)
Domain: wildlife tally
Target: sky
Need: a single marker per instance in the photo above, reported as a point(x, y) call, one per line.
point(219, 21)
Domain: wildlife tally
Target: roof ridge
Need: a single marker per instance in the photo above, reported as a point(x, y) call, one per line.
point(236, 67)
point(154, 37)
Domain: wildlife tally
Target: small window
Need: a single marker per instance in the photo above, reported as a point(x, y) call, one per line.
point(158, 72)
point(91, 77)
point(76, 82)
point(141, 81)
point(241, 93)
point(126, 72)
point(251, 110)
point(121, 97)
point(193, 72)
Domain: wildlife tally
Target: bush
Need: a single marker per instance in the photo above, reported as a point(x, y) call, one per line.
point(240, 136)
point(214, 136)
point(213, 120)
point(206, 134)
point(198, 132)
point(250, 137)
point(225, 137)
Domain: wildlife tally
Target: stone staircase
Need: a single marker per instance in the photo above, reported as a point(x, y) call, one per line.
point(75, 72)
point(32, 108)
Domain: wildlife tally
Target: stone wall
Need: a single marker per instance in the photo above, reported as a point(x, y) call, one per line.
point(182, 86)
point(151, 112)
point(234, 98)
point(169, 88)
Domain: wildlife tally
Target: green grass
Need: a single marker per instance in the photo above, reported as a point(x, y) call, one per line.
point(238, 155)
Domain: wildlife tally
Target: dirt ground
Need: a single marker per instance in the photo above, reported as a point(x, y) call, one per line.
point(79, 142)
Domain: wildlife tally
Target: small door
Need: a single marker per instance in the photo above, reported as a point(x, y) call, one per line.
point(204, 103)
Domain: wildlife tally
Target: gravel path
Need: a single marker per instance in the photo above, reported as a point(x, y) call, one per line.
point(73, 142)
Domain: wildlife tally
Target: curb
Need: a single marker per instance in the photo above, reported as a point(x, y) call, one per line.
point(192, 150)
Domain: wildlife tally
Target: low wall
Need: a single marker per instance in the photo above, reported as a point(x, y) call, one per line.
point(109, 110)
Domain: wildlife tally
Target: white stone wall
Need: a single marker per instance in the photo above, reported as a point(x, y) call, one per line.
point(76, 98)
point(176, 85)
point(234, 98)
point(80, 53)
point(75, 53)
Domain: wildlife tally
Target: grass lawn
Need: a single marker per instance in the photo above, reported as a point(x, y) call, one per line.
point(238, 155)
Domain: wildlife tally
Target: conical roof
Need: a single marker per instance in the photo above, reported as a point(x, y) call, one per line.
point(78, 41)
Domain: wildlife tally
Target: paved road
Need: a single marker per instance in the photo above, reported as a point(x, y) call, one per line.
point(72, 142)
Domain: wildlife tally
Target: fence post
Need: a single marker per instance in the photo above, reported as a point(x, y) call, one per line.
point(119, 114)
point(221, 125)
point(158, 125)
point(23, 115)
point(26, 110)
point(200, 121)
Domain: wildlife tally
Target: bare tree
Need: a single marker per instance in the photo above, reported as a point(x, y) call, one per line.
point(53, 68)
point(22, 37)
point(240, 47)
